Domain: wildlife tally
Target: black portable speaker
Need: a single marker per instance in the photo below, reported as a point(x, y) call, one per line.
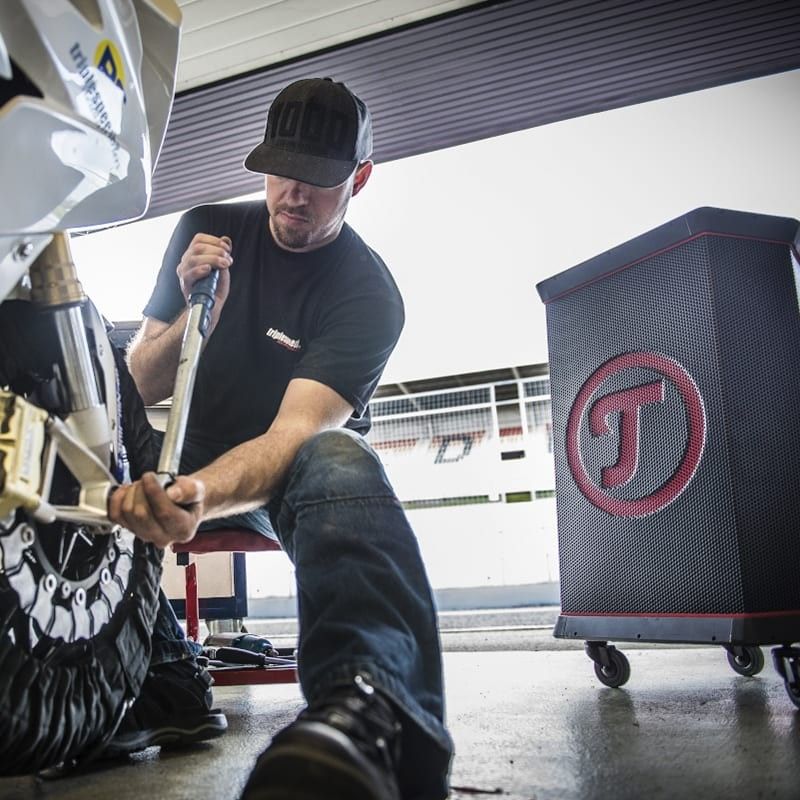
point(675, 368)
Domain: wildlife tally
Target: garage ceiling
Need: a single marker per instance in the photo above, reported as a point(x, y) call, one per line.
point(477, 70)
point(222, 38)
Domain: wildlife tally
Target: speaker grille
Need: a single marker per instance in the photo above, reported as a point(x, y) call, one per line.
point(708, 332)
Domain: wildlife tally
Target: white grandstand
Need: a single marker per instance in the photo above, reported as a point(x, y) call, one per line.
point(470, 457)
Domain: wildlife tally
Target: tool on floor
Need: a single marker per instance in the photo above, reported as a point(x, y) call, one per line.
point(242, 641)
point(235, 655)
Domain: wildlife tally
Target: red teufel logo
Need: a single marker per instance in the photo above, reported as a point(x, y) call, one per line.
point(648, 398)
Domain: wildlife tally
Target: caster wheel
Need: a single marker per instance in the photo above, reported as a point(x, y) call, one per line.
point(616, 672)
point(747, 661)
point(787, 665)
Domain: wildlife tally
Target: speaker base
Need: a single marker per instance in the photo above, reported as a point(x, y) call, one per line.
point(780, 627)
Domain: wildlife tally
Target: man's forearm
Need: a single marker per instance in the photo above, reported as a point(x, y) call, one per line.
point(242, 479)
point(248, 476)
point(153, 360)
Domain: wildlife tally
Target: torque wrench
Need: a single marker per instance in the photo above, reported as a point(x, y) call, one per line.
point(201, 301)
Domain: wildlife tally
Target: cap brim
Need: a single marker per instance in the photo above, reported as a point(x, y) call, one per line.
point(318, 171)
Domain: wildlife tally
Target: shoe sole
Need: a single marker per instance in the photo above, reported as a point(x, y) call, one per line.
point(321, 764)
point(201, 729)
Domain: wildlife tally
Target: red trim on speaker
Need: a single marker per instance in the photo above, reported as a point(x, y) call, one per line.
point(650, 615)
point(662, 250)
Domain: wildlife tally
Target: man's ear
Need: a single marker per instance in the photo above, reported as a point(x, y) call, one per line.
point(361, 177)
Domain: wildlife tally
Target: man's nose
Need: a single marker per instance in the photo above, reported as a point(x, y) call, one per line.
point(298, 191)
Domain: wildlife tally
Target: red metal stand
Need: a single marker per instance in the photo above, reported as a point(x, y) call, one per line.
point(239, 676)
point(192, 602)
point(227, 541)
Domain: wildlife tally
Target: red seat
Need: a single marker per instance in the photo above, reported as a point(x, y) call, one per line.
point(226, 540)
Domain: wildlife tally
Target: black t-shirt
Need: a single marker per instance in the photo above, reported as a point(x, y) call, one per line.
point(332, 315)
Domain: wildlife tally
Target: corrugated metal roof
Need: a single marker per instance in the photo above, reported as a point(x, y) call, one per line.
point(221, 38)
point(482, 72)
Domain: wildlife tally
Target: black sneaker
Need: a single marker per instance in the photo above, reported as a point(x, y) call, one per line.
point(174, 708)
point(344, 748)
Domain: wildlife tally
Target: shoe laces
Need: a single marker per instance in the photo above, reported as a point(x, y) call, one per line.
point(362, 713)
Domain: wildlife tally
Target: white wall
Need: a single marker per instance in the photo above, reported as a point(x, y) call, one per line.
point(493, 544)
point(468, 232)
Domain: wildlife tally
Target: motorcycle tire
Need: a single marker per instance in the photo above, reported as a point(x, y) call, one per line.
point(76, 617)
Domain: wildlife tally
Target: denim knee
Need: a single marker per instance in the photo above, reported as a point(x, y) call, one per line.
point(336, 465)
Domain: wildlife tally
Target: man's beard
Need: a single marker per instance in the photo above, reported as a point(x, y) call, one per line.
point(292, 238)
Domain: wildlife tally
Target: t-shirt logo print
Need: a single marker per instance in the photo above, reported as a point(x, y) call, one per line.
point(285, 341)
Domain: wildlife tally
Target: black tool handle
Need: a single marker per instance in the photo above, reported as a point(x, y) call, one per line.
point(204, 293)
point(235, 655)
point(204, 290)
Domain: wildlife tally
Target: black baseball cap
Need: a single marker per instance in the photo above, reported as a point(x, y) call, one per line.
point(317, 132)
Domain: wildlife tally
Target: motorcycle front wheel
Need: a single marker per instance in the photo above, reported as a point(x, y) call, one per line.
point(77, 609)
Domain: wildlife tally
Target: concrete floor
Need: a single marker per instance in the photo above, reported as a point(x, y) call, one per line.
point(530, 722)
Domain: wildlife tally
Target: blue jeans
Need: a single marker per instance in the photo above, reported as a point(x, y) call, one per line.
point(364, 602)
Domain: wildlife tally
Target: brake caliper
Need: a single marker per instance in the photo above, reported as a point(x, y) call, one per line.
point(22, 442)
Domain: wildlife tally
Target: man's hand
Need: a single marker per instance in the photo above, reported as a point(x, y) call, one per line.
point(206, 252)
point(157, 515)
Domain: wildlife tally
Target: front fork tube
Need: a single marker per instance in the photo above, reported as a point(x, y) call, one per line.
point(85, 447)
point(55, 288)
